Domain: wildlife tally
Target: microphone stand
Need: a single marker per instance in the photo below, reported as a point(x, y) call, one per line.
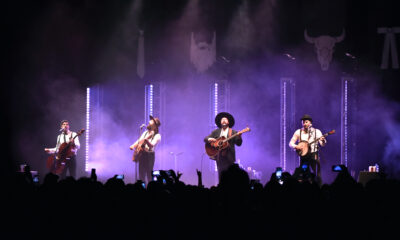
point(175, 160)
point(137, 162)
point(201, 162)
point(175, 163)
point(53, 164)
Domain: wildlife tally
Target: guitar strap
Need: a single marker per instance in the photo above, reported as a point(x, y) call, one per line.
point(58, 143)
point(315, 137)
point(151, 137)
point(224, 152)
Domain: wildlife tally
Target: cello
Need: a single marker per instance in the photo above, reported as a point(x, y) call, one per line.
point(56, 162)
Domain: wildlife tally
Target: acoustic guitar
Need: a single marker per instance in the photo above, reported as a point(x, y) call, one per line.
point(305, 146)
point(56, 162)
point(141, 148)
point(221, 143)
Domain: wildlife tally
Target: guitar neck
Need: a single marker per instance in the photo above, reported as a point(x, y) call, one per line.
point(77, 134)
point(229, 138)
point(316, 140)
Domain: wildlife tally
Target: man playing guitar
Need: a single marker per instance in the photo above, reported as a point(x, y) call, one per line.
point(67, 136)
point(144, 149)
point(227, 157)
point(304, 136)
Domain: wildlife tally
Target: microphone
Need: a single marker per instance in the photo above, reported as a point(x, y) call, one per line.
point(142, 126)
point(289, 56)
point(62, 129)
point(349, 55)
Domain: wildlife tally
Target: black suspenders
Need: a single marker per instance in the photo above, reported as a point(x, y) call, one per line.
point(309, 135)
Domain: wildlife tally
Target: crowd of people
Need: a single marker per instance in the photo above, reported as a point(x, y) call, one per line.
point(288, 207)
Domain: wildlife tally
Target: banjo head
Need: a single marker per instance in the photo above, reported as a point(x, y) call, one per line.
point(304, 148)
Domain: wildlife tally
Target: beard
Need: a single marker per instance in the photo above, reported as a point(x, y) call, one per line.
point(152, 127)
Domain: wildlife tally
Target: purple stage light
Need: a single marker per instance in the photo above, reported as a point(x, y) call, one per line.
point(286, 119)
point(215, 111)
point(348, 130)
point(345, 124)
point(87, 129)
point(215, 99)
point(149, 101)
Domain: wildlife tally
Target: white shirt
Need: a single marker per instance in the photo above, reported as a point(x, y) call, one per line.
point(309, 137)
point(61, 140)
point(154, 140)
point(224, 132)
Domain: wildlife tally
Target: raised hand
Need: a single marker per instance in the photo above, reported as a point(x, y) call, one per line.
point(178, 175)
point(199, 178)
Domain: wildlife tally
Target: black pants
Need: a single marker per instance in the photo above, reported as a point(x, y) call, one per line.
point(70, 166)
point(224, 161)
point(312, 159)
point(146, 164)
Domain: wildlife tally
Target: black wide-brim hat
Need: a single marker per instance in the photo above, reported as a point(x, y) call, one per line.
point(306, 117)
point(156, 120)
point(222, 115)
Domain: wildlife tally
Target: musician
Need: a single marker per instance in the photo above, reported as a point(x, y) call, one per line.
point(309, 134)
point(226, 157)
point(67, 136)
point(151, 138)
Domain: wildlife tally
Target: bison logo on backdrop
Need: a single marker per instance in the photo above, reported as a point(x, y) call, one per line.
point(202, 53)
point(324, 46)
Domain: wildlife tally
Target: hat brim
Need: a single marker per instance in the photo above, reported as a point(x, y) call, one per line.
point(303, 119)
point(155, 121)
point(226, 115)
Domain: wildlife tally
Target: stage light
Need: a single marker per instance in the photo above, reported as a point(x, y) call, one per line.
point(287, 106)
point(348, 127)
point(215, 99)
point(284, 131)
point(215, 113)
point(155, 105)
point(149, 101)
point(219, 101)
point(87, 135)
point(345, 123)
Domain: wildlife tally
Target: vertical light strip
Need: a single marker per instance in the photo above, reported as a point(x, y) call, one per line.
point(146, 103)
point(284, 124)
point(151, 99)
point(215, 99)
point(87, 129)
point(215, 111)
point(345, 124)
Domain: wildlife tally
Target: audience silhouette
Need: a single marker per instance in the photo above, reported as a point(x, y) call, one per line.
point(294, 206)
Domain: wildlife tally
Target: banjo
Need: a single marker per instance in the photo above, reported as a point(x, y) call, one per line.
point(305, 145)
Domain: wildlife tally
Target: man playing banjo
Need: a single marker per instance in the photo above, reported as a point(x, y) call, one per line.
point(308, 152)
